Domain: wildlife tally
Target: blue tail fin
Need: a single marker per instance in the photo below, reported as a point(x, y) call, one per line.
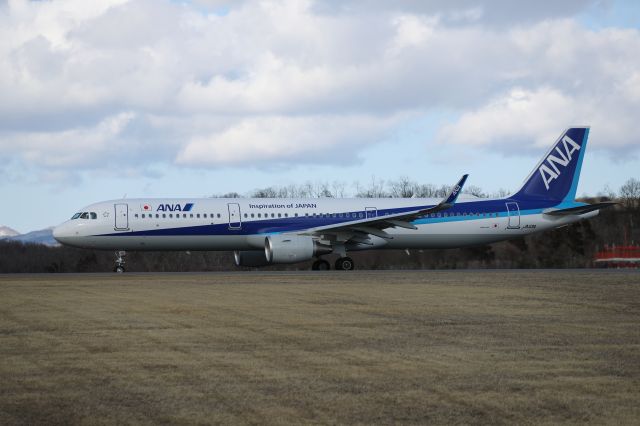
point(555, 178)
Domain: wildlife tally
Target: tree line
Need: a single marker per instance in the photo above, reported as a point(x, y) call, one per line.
point(375, 188)
point(573, 246)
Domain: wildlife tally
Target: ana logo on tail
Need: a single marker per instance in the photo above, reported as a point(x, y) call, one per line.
point(549, 168)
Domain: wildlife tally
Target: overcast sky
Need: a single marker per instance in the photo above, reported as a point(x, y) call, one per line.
point(104, 98)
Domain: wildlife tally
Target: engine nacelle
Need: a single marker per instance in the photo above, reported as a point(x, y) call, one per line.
point(292, 248)
point(252, 258)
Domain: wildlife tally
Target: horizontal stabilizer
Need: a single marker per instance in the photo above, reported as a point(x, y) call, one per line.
point(580, 209)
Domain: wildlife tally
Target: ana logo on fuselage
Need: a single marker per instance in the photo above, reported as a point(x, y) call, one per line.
point(549, 169)
point(174, 207)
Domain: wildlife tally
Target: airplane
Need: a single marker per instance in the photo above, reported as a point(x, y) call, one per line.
point(276, 231)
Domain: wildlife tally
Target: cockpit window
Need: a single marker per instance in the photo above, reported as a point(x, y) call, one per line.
point(93, 215)
point(84, 215)
point(75, 216)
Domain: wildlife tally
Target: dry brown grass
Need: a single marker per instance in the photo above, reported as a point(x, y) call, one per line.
point(371, 348)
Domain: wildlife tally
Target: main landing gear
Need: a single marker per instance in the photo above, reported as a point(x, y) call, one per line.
point(119, 268)
point(320, 265)
point(342, 264)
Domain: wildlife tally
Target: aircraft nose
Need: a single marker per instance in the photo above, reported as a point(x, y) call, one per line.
point(61, 233)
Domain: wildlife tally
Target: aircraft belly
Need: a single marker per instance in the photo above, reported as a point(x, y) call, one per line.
point(453, 234)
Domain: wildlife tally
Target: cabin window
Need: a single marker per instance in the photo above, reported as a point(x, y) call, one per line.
point(197, 216)
point(136, 215)
point(170, 215)
point(286, 215)
point(295, 214)
point(218, 215)
point(273, 215)
point(143, 215)
point(184, 215)
point(259, 214)
point(191, 215)
point(252, 215)
point(164, 215)
point(279, 214)
point(245, 216)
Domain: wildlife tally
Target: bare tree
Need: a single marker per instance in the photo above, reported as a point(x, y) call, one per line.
point(607, 192)
point(475, 191)
point(425, 191)
point(630, 193)
point(402, 188)
point(269, 192)
point(374, 190)
point(501, 193)
point(338, 189)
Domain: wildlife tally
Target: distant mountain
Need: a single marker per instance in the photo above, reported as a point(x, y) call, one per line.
point(5, 232)
point(43, 236)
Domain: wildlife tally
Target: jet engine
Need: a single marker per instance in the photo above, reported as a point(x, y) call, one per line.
point(292, 248)
point(252, 258)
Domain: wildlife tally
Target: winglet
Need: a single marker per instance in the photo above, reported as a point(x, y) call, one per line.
point(452, 196)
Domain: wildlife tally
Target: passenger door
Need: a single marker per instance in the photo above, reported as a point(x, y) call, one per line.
point(235, 222)
point(122, 217)
point(514, 215)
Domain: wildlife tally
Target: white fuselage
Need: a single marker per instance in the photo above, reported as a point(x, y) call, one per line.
point(242, 224)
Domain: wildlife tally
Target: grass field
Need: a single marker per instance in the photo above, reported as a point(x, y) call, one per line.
point(495, 347)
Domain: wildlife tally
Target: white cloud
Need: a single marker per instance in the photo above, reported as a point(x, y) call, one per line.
point(268, 141)
point(70, 148)
point(516, 117)
point(294, 81)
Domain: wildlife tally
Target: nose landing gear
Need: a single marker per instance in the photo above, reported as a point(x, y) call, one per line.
point(119, 268)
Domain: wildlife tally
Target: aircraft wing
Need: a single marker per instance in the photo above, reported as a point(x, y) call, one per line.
point(376, 225)
point(580, 209)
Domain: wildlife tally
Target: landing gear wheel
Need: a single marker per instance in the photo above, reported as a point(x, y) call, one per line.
point(320, 265)
point(344, 264)
point(119, 268)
